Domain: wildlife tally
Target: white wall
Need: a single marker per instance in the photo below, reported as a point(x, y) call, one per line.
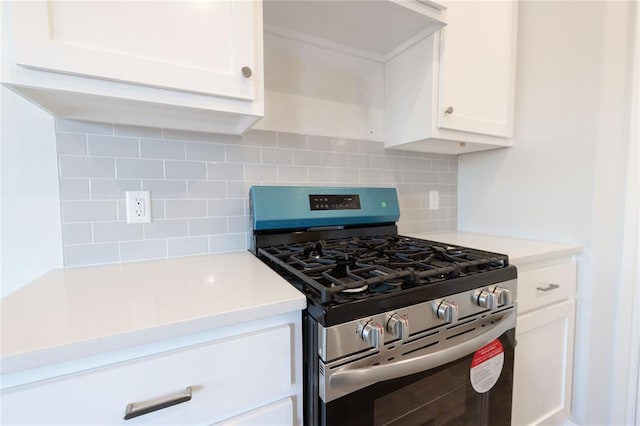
point(563, 180)
point(30, 231)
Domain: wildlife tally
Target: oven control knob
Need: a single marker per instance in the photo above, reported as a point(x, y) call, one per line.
point(504, 295)
point(398, 326)
point(486, 299)
point(372, 333)
point(447, 311)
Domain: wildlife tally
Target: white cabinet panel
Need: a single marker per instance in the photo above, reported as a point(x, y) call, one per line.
point(543, 365)
point(543, 286)
point(181, 64)
point(141, 42)
point(277, 414)
point(454, 92)
point(477, 64)
point(227, 377)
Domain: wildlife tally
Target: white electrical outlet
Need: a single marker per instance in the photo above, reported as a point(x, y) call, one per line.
point(434, 200)
point(138, 206)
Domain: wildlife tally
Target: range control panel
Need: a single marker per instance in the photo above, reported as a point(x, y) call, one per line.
point(334, 202)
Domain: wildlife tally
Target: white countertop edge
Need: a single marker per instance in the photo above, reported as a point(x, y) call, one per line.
point(16, 363)
point(519, 250)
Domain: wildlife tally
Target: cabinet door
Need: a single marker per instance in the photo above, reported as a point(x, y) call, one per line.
point(226, 377)
point(477, 67)
point(543, 365)
point(193, 46)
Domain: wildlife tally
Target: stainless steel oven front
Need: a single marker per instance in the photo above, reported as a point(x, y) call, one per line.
point(408, 368)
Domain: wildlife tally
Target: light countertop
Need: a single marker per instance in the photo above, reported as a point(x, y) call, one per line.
point(520, 251)
point(71, 313)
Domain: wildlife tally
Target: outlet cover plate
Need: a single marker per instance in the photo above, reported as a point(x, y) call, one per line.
point(138, 206)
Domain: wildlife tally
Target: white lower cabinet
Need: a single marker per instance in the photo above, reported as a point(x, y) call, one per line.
point(543, 368)
point(245, 379)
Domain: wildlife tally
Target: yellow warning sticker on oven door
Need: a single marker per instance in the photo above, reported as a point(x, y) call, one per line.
point(486, 366)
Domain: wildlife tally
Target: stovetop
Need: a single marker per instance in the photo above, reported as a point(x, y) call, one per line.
point(341, 248)
point(361, 271)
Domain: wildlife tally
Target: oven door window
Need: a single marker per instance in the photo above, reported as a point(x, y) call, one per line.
point(442, 396)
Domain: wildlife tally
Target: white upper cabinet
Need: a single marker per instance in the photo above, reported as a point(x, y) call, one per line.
point(454, 92)
point(182, 64)
point(324, 62)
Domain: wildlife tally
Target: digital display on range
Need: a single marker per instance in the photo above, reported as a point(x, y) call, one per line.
point(334, 202)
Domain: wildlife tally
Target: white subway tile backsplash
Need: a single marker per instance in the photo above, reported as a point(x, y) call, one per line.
point(260, 172)
point(236, 189)
point(71, 144)
point(73, 126)
point(76, 233)
point(206, 189)
point(104, 232)
point(157, 209)
point(185, 208)
point(307, 158)
point(347, 176)
point(84, 167)
point(402, 163)
point(74, 189)
point(277, 156)
point(88, 211)
point(225, 171)
point(440, 165)
point(227, 243)
point(321, 175)
point(165, 189)
point(381, 162)
point(243, 154)
point(205, 151)
point(143, 250)
point(112, 189)
point(169, 150)
point(292, 141)
point(334, 159)
point(208, 226)
point(188, 246)
point(91, 254)
point(238, 224)
point(371, 147)
point(370, 176)
point(168, 228)
point(223, 139)
point(141, 169)
point(113, 146)
point(292, 173)
point(185, 170)
point(449, 178)
point(260, 138)
point(199, 185)
point(358, 161)
point(226, 207)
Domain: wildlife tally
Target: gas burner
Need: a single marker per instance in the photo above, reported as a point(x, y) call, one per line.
point(372, 265)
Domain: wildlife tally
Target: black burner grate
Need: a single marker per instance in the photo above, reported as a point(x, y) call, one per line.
point(346, 269)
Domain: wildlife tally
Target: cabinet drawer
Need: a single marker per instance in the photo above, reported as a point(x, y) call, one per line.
point(544, 286)
point(227, 377)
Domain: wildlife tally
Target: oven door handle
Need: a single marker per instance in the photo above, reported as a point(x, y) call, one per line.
point(347, 380)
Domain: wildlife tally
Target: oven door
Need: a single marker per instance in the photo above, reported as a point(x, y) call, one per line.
point(471, 385)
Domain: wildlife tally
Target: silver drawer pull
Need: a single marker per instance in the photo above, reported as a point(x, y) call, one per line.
point(549, 287)
point(136, 409)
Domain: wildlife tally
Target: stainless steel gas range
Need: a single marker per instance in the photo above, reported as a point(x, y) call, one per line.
point(398, 330)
